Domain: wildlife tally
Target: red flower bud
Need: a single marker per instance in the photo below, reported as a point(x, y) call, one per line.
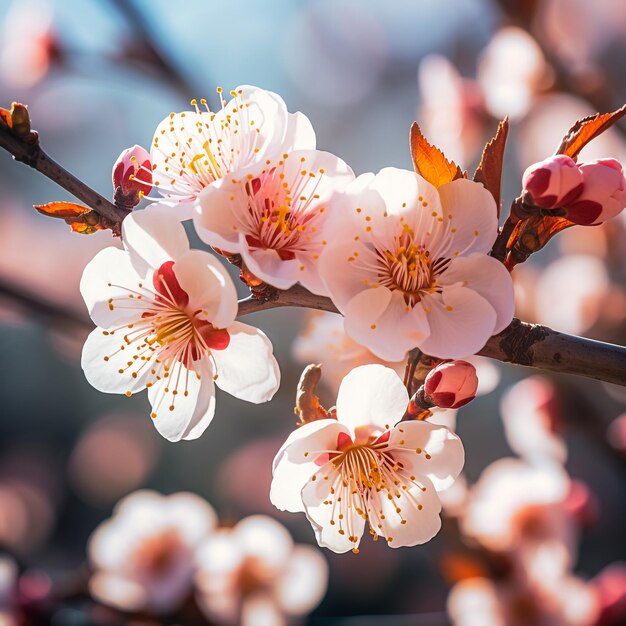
point(451, 384)
point(132, 176)
point(603, 195)
point(554, 182)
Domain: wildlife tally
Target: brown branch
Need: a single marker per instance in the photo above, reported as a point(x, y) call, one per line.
point(520, 343)
point(34, 156)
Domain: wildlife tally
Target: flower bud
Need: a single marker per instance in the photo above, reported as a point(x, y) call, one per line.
point(452, 384)
point(132, 176)
point(554, 182)
point(603, 195)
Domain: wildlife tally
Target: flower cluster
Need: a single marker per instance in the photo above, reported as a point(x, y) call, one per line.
point(157, 550)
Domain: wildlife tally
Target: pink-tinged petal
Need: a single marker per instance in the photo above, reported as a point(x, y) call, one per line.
point(183, 404)
point(299, 134)
point(461, 322)
point(380, 320)
point(108, 363)
point(109, 546)
point(294, 463)
point(417, 520)
point(471, 214)
point(310, 277)
point(191, 515)
point(120, 592)
point(267, 265)
point(247, 368)
point(425, 449)
point(337, 525)
point(302, 585)
point(259, 609)
point(109, 275)
point(358, 273)
point(371, 394)
point(209, 287)
point(215, 220)
point(487, 277)
point(153, 237)
point(266, 540)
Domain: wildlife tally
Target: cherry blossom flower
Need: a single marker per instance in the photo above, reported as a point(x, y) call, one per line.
point(166, 322)
point(414, 269)
point(451, 384)
point(520, 509)
point(360, 468)
point(553, 182)
point(274, 214)
point(143, 556)
point(192, 149)
point(568, 601)
point(253, 573)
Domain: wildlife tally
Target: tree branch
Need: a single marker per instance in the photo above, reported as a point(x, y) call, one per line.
point(520, 343)
point(34, 156)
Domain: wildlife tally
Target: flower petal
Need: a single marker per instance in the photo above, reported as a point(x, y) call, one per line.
point(108, 364)
point(411, 517)
point(471, 212)
point(294, 463)
point(183, 404)
point(487, 277)
point(461, 322)
point(110, 274)
point(371, 394)
point(152, 237)
point(209, 287)
point(299, 134)
point(425, 449)
point(247, 368)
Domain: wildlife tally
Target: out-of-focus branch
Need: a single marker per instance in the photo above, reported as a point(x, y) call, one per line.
point(520, 343)
point(34, 156)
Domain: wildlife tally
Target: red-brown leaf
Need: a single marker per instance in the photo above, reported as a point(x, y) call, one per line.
point(430, 162)
point(489, 171)
point(586, 129)
point(62, 210)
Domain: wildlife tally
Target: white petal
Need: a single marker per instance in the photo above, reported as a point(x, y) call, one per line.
point(109, 275)
point(193, 404)
point(299, 134)
point(209, 287)
point(265, 540)
point(104, 355)
point(324, 511)
point(487, 277)
point(192, 516)
point(294, 463)
point(302, 585)
point(474, 223)
point(152, 237)
point(440, 457)
point(389, 331)
point(412, 525)
point(460, 323)
point(247, 368)
point(267, 265)
point(371, 394)
point(215, 219)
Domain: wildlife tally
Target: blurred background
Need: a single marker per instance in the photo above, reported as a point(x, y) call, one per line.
point(99, 75)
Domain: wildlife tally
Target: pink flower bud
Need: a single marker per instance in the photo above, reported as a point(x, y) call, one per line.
point(603, 195)
point(451, 384)
point(132, 176)
point(554, 182)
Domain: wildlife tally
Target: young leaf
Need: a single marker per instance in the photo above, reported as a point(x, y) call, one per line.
point(81, 218)
point(489, 171)
point(430, 162)
point(586, 129)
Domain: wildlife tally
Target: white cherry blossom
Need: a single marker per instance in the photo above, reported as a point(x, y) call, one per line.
point(254, 570)
point(410, 267)
point(143, 556)
point(166, 322)
point(275, 213)
point(193, 149)
point(360, 468)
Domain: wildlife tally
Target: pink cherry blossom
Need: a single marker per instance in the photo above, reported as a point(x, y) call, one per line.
point(274, 214)
point(554, 182)
point(143, 557)
point(254, 570)
point(132, 176)
point(603, 195)
point(360, 468)
point(193, 149)
point(452, 384)
point(166, 322)
point(409, 266)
